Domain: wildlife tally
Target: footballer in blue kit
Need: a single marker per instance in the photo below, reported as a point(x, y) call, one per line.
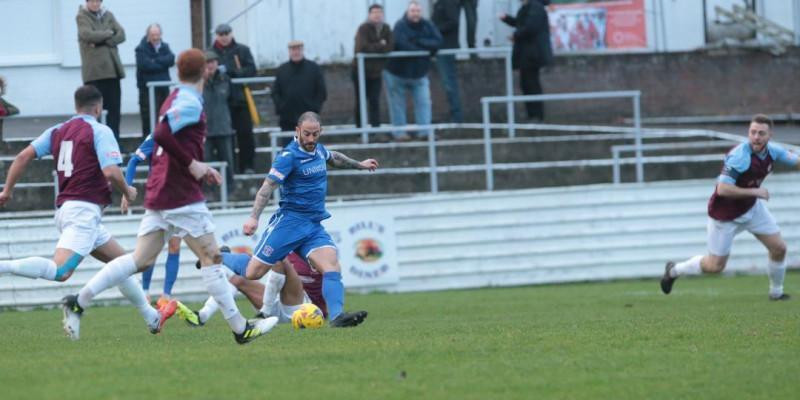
point(300, 170)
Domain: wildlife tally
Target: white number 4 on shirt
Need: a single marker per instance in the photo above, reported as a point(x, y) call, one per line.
point(64, 163)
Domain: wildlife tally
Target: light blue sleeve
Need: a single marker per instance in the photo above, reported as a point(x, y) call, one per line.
point(106, 147)
point(282, 166)
point(145, 150)
point(736, 163)
point(184, 111)
point(42, 144)
point(781, 155)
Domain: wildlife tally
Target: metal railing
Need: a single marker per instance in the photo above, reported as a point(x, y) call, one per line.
point(362, 90)
point(151, 93)
point(634, 95)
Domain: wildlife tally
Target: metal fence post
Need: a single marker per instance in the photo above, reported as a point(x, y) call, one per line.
point(273, 142)
point(55, 188)
point(151, 98)
point(616, 168)
point(362, 97)
point(637, 124)
point(487, 145)
point(510, 118)
point(224, 187)
point(432, 162)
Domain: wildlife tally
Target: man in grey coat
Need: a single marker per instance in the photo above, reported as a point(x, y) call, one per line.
point(99, 34)
point(219, 134)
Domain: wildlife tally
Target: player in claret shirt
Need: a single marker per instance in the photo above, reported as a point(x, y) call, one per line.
point(86, 158)
point(175, 205)
point(738, 204)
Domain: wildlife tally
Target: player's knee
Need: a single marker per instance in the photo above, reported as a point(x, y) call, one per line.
point(216, 258)
point(778, 251)
point(714, 266)
point(254, 273)
point(237, 281)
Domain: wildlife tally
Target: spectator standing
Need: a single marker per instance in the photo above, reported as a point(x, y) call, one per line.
point(410, 74)
point(219, 133)
point(236, 61)
point(99, 34)
point(471, 15)
point(153, 61)
point(531, 50)
point(299, 87)
point(446, 15)
point(373, 36)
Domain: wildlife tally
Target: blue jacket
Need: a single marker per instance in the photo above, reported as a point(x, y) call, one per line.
point(414, 36)
point(152, 65)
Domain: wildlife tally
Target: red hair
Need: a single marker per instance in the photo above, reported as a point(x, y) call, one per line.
point(191, 65)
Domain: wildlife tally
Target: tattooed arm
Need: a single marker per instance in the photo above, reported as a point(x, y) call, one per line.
point(339, 160)
point(262, 198)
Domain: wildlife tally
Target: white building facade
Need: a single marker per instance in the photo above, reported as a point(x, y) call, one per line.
point(39, 53)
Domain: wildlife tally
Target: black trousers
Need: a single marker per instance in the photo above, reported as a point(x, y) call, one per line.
point(111, 101)
point(220, 148)
point(530, 84)
point(243, 125)
point(161, 94)
point(373, 89)
point(471, 13)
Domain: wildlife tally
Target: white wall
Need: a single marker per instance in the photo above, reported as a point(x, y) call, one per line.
point(39, 54)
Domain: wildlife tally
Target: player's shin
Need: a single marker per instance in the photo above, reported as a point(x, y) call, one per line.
point(31, 267)
point(688, 267)
point(112, 274)
point(272, 289)
point(132, 291)
point(333, 292)
point(776, 270)
point(208, 310)
point(219, 288)
point(171, 272)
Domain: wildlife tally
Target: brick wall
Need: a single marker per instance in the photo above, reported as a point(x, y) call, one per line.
point(675, 84)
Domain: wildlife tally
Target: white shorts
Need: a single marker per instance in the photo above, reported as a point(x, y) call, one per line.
point(193, 220)
point(78, 222)
point(757, 220)
point(285, 312)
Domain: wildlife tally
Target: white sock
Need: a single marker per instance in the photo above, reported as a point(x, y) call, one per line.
point(208, 310)
point(31, 267)
point(272, 289)
point(219, 288)
point(112, 274)
point(131, 288)
point(776, 270)
point(688, 267)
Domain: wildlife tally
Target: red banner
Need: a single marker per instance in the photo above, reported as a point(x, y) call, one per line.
point(615, 24)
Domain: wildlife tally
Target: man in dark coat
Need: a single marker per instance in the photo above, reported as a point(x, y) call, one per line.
point(236, 61)
point(373, 36)
point(446, 15)
point(153, 60)
point(409, 75)
point(531, 50)
point(299, 87)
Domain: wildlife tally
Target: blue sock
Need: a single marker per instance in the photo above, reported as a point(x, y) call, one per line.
point(236, 262)
point(333, 292)
point(146, 276)
point(171, 274)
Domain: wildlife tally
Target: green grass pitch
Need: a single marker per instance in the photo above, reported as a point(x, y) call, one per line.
point(713, 338)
